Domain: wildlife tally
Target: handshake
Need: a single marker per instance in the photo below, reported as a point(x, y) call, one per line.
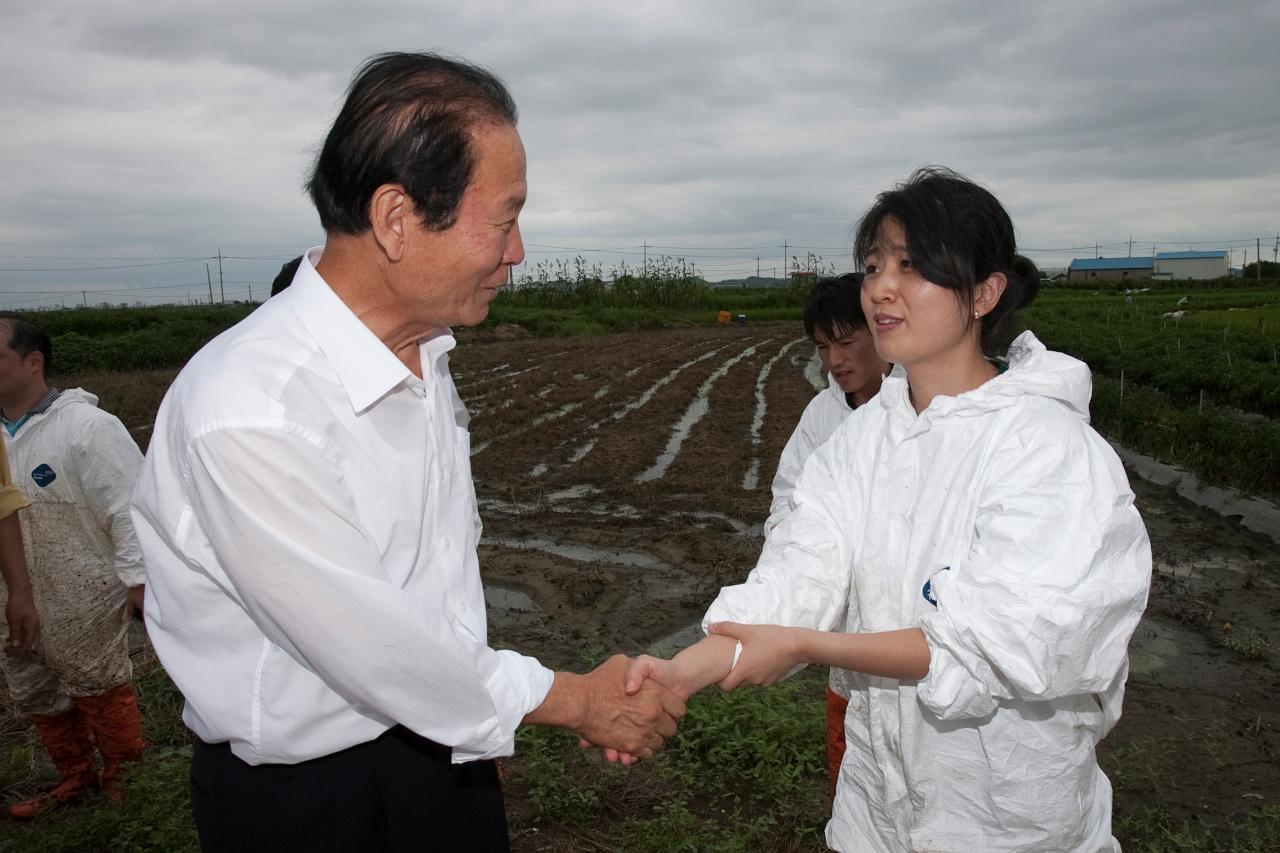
point(629, 707)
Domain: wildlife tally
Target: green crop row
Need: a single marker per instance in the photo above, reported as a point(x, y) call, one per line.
point(1217, 356)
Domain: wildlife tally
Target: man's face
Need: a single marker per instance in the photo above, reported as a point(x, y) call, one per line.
point(850, 357)
point(457, 272)
point(16, 372)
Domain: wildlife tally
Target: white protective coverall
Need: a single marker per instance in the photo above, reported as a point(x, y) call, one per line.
point(826, 411)
point(1003, 526)
point(77, 464)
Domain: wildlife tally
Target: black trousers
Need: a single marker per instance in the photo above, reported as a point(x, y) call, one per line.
point(397, 794)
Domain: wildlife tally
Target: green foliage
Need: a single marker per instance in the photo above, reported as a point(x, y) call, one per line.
point(1201, 390)
point(764, 744)
point(18, 768)
point(564, 784)
point(1247, 643)
point(663, 283)
point(754, 760)
point(133, 338)
point(744, 772)
point(155, 818)
point(674, 828)
point(1151, 830)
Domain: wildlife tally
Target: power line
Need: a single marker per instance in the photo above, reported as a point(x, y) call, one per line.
point(85, 269)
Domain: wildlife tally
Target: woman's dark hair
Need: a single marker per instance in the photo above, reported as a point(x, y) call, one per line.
point(407, 120)
point(25, 337)
point(834, 307)
point(957, 235)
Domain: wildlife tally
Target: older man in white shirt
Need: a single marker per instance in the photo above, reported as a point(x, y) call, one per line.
point(308, 518)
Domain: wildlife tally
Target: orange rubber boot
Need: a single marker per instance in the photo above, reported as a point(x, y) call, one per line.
point(70, 745)
point(117, 727)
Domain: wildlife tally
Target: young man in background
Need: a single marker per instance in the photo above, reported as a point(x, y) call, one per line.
point(77, 465)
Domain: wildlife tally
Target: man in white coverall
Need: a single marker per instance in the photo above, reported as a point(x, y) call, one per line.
point(308, 517)
point(77, 465)
point(834, 321)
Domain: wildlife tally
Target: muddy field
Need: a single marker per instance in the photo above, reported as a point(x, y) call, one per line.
point(623, 479)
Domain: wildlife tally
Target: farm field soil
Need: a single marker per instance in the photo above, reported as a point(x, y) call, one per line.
point(622, 481)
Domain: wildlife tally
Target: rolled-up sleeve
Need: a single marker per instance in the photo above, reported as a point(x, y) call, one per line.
point(1046, 600)
point(290, 551)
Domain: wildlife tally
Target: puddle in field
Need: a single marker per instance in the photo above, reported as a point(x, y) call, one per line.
point(501, 376)
point(562, 505)
point(618, 414)
point(506, 598)
point(741, 528)
point(544, 391)
point(582, 553)
point(582, 451)
point(813, 373)
point(751, 479)
point(572, 493)
point(538, 470)
point(697, 409)
point(644, 398)
point(557, 414)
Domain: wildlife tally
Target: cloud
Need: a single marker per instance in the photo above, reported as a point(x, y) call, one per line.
point(173, 130)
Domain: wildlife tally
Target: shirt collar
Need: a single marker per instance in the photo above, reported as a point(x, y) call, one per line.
point(42, 405)
point(366, 367)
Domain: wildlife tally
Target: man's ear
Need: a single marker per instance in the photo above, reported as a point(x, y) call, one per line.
point(988, 294)
point(391, 215)
point(35, 360)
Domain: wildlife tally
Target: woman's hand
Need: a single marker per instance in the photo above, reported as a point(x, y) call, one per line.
point(769, 652)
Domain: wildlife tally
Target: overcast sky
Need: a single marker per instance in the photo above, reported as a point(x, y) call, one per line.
point(149, 131)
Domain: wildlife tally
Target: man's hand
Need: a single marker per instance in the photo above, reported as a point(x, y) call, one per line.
point(24, 624)
point(597, 707)
point(133, 600)
point(634, 723)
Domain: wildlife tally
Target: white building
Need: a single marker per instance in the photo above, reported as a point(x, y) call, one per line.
point(1214, 264)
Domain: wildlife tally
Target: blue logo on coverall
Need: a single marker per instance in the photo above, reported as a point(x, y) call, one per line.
point(43, 475)
point(928, 588)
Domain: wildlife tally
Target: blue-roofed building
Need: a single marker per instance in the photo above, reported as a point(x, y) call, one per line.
point(1082, 269)
point(1210, 264)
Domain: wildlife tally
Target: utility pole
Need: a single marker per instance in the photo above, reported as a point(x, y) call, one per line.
point(84, 294)
point(1131, 245)
point(251, 289)
point(221, 291)
point(1259, 275)
point(645, 276)
point(209, 279)
point(758, 261)
point(785, 258)
point(1095, 250)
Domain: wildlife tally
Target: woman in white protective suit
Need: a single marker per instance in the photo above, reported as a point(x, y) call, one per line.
point(981, 536)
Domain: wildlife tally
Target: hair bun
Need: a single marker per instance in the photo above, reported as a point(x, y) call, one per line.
point(1027, 281)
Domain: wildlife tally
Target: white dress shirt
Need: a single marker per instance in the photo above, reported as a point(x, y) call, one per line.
point(307, 519)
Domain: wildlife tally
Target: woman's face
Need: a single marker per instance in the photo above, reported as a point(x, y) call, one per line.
point(913, 321)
